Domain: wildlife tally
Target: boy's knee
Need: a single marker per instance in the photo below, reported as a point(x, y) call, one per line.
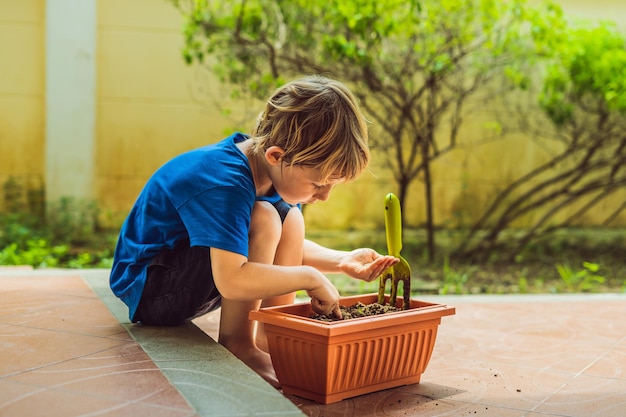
point(294, 221)
point(265, 221)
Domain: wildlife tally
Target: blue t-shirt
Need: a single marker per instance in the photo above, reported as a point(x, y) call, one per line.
point(204, 196)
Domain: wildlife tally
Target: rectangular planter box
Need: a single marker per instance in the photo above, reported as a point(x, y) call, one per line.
point(329, 361)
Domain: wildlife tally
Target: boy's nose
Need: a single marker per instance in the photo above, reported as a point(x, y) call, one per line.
point(324, 193)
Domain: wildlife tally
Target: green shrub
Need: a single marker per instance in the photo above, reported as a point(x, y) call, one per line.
point(583, 280)
point(66, 236)
point(37, 253)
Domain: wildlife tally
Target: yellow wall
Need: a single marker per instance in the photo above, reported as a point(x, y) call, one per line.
point(22, 92)
point(151, 106)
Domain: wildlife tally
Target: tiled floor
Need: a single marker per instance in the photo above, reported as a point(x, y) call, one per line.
point(63, 353)
point(66, 349)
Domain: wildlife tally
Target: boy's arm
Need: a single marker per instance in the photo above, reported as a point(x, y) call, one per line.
point(364, 263)
point(238, 279)
point(322, 258)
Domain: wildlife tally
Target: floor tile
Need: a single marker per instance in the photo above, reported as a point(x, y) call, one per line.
point(67, 403)
point(11, 392)
point(24, 349)
point(123, 372)
point(399, 402)
point(496, 385)
point(611, 364)
point(588, 397)
point(68, 349)
point(210, 378)
point(63, 353)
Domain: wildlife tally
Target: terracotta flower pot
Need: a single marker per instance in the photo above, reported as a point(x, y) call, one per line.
point(329, 361)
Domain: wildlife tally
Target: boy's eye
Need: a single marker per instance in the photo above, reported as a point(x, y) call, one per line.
point(318, 187)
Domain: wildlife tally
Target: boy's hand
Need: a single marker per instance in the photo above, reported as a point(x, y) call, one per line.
point(366, 264)
point(325, 298)
point(322, 308)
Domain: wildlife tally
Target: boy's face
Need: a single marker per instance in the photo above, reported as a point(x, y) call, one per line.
point(299, 184)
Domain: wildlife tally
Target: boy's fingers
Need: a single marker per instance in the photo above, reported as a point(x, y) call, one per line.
point(337, 313)
point(322, 308)
point(317, 306)
point(381, 267)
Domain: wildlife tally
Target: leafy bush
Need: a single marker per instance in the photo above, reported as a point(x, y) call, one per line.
point(37, 253)
point(23, 245)
point(583, 280)
point(66, 237)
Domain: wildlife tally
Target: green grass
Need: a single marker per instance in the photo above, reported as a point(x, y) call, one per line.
point(557, 265)
point(573, 260)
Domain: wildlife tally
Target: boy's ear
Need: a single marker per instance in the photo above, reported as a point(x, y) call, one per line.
point(274, 155)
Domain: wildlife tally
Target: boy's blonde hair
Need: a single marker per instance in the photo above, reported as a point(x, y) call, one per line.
point(318, 123)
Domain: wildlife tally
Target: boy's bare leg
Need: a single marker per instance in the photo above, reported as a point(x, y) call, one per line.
point(237, 335)
point(237, 332)
point(289, 252)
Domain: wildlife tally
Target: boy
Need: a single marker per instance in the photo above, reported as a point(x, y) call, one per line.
point(221, 225)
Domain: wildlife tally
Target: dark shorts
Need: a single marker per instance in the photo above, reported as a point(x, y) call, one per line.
point(180, 284)
point(283, 208)
point(179, 287)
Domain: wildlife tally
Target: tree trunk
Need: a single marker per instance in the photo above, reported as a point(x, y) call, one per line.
point(428, 200)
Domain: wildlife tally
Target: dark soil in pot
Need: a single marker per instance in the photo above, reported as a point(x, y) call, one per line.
point(358, 310)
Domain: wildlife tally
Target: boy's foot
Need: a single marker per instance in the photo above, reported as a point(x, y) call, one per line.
point(259, 361)
point(261, 339)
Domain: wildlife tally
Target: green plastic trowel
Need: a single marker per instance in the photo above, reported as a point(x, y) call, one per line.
point(400, 271)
